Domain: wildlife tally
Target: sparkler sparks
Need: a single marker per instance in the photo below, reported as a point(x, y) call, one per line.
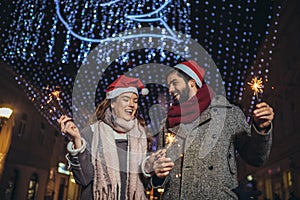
point(256, 85)
point(54, 98)
point(56, 94)
point(170, 139)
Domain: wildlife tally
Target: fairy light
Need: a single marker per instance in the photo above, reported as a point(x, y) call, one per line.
point(44, 51)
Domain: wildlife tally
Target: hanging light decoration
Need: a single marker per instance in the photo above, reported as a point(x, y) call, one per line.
point(46, 43)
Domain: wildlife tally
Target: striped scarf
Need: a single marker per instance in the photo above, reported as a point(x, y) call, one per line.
point(191, 109)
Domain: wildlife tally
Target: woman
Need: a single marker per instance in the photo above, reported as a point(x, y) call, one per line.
point(105, 157)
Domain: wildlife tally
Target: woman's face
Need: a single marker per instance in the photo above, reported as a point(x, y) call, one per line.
point(125, 105)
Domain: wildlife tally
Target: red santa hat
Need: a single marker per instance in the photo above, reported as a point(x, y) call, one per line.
point(125, 84)
point(193, 70)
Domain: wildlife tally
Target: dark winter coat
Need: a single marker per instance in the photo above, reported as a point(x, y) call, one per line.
point(206, 167)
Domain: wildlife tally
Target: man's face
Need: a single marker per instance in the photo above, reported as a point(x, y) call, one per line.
point(178, 87)
point(125, 105)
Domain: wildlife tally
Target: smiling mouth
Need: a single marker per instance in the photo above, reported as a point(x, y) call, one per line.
point(175, 95)
point(129, 112)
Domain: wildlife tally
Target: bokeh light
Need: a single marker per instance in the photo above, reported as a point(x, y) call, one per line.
point(46, 52)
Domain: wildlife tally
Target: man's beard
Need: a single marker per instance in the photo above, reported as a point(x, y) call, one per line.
point(184, 95)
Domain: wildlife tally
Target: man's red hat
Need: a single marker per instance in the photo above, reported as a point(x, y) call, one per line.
point(193, 70)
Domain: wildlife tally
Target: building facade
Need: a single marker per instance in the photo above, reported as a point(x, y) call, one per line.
point(280, 177)
point(32, 162)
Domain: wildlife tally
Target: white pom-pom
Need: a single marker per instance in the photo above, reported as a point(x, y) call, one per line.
point(145, 91)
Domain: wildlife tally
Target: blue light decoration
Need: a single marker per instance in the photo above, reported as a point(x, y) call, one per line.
point(46, 43)
point(156, 15)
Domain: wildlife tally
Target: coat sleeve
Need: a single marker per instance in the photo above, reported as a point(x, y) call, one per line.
point(80, 160)
point(252, 146)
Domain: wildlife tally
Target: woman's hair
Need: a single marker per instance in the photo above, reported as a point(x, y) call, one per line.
point(105, 104)
point(101, 108)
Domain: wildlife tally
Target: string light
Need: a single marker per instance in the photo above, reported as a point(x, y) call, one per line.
point(44, 50)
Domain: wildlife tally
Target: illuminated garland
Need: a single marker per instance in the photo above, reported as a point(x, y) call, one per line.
point(47, 41)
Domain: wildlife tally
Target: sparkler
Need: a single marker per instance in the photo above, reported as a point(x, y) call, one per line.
point(170, 139)
point(173, 147)
point(256, 85)
point(54, 98)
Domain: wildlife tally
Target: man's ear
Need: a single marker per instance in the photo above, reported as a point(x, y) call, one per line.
point(192, 83)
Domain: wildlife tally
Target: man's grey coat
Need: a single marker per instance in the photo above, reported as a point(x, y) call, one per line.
point(205, 167)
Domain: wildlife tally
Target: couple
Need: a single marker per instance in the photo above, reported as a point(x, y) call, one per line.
point(108, 158)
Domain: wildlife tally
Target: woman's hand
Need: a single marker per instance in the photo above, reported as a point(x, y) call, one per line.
point(68, 127)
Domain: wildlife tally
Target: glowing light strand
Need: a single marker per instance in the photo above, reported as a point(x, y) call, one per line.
point(102, 40)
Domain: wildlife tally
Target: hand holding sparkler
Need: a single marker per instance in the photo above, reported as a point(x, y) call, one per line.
point(70, 129)
point(263, 114)
point(54, 103)
point(160, 162)
point(161, 165)
point(163, 160)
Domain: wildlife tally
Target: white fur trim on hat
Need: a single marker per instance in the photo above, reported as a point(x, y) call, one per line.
point(145, 91)
point(116, 92)
point(190, 73)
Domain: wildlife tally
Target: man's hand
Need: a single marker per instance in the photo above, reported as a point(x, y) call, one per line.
point(159, 164)
point(162, 165)
point(263, 116)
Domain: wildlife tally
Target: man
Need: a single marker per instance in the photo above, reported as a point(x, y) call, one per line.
point(200, 138)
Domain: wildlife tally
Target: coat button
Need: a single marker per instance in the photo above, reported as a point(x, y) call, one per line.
point(211, 167)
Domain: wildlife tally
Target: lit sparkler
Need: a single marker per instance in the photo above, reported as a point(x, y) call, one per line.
point(54, 98)
point(256, 85)
point(172, 146)
point(170, 139)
